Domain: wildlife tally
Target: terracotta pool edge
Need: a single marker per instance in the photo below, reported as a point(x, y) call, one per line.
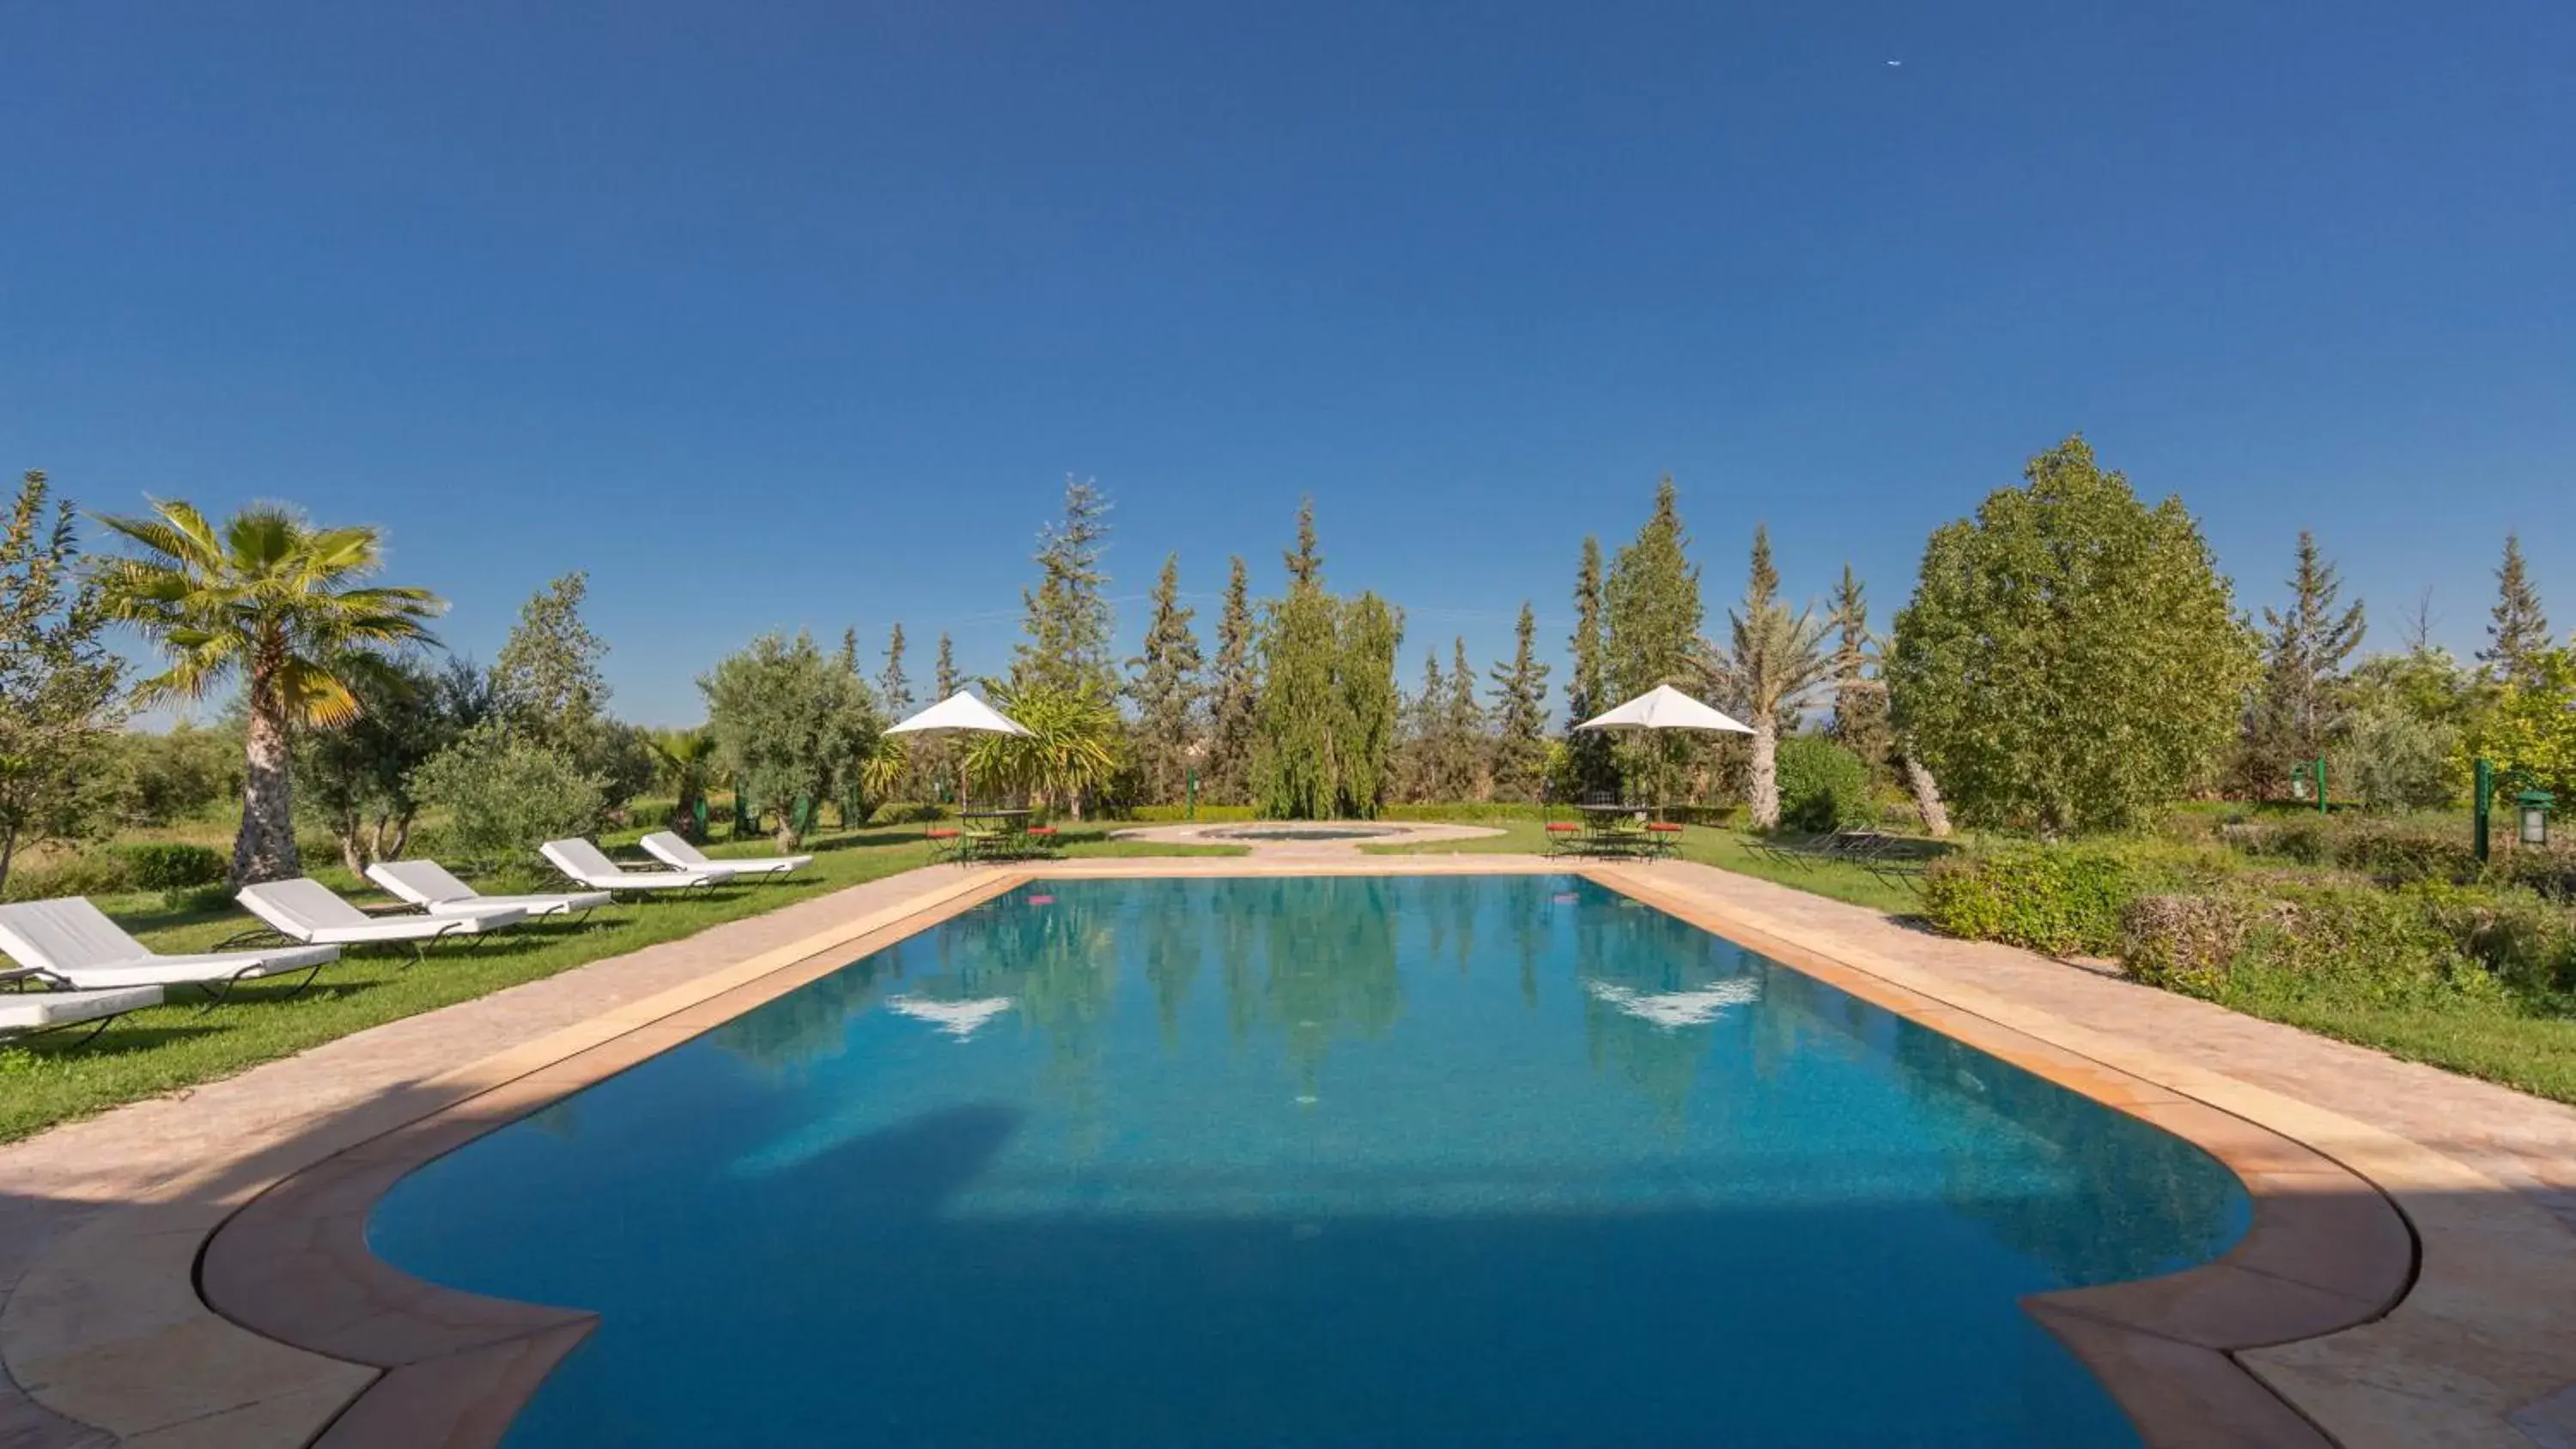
point(453, 1369)
point(2165, 1348)
point(2153, 1344)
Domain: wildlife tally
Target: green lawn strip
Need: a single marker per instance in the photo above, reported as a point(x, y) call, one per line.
point(178, 1045)
point(2529, 1053)
point(1725, 849)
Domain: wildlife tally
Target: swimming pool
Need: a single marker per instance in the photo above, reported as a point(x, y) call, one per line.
point(1460, 1160)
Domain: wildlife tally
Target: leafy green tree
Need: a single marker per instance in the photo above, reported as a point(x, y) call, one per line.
point(183, 774)
point(59, 685)
point(2071, 658)
point(271, 602)
point(1589, 762)
point(1520, 716)
point(356, 776)
point(946, 676)
point(1299, 710)
point(2529, 727)
point(790, 724)
point(1860, 697)
point(1165, 686)
point(1066, 618)
point(1772, 662)
point(1234, 695)
point(2391, 758)
point(2298, 710)
point(505, 793)
point(1651, 615)
point(547, 682)
point(1073, 747)
point(1368, 724)
point(1823, 785)
point(2519, 633)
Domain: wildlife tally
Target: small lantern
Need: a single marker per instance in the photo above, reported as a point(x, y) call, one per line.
point(2534, 807)
point(2299, 781)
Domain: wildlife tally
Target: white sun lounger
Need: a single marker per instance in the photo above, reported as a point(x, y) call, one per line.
point(72, 943)
point(433, 888)
point(679, 854)
point(25, 1014)
point(305, 909)
point(589, 865)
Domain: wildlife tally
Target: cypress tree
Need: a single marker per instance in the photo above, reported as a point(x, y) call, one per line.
point(2297, 709)
point(1300, 711)
point(1066, 618)
point(1424, 768)
point(1651, 610)
point(893, 689)
point(2519, 634)
point(1165, 686)
point(1860, 699)
point(1588, 752)
point(1235, 694)
point(1462, 721)
point(1520, 716)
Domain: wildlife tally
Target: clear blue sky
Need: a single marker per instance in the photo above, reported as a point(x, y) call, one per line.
point(797, 315)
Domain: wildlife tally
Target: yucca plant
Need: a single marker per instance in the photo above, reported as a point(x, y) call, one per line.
point(276, 604)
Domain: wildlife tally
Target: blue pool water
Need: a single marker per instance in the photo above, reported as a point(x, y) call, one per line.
point(1480, 1160)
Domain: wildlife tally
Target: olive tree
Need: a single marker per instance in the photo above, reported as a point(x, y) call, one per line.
point(789, 723)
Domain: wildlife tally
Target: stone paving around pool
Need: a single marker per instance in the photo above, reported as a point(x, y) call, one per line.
point(105, 1339)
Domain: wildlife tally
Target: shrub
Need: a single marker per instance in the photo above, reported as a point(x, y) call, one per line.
point(2550, 872)
point(2188, 943)
point(2393, 851)
point(505, 795)
point(2525, 940)
point(173, 866)
point(1823, 786)
point(2057, 898)
point(94, 873)
point(2384, 947)
point(198, 900)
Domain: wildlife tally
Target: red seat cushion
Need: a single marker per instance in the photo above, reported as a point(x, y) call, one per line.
point(1665, 827)
point(1041, 830)
point(941, 834)
point(1560, 827)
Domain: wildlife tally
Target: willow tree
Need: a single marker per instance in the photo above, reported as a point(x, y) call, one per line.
point(1371, 706)
point(2071, 658)
point(276, 605)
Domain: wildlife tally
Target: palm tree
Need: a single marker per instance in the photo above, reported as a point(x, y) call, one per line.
point(281, 606)
point(684, 763)
point(1773, 660)
point(1075, 744)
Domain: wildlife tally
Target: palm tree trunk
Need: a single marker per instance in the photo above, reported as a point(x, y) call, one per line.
point(1766, 772)
point(1927, 798)
point(265, 848)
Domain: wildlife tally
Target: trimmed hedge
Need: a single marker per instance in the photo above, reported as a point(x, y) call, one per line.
point(94, 873)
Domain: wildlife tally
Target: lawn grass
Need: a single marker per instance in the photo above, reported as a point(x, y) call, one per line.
point(178, 1045)
point(2529, 1053)
point(1725, 849)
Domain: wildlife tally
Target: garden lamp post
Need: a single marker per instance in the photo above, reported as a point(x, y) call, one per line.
point(2534, 806)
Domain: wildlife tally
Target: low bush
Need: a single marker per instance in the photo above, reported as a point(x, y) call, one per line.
point(2550, 872)
point(2527, 941)
point(92, 873)
point(202, 900)
point(505, 794)
point(2396, 852)
point(1823, 786)
point(2062, 899)
point(2358, 944)
point(172, 865)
